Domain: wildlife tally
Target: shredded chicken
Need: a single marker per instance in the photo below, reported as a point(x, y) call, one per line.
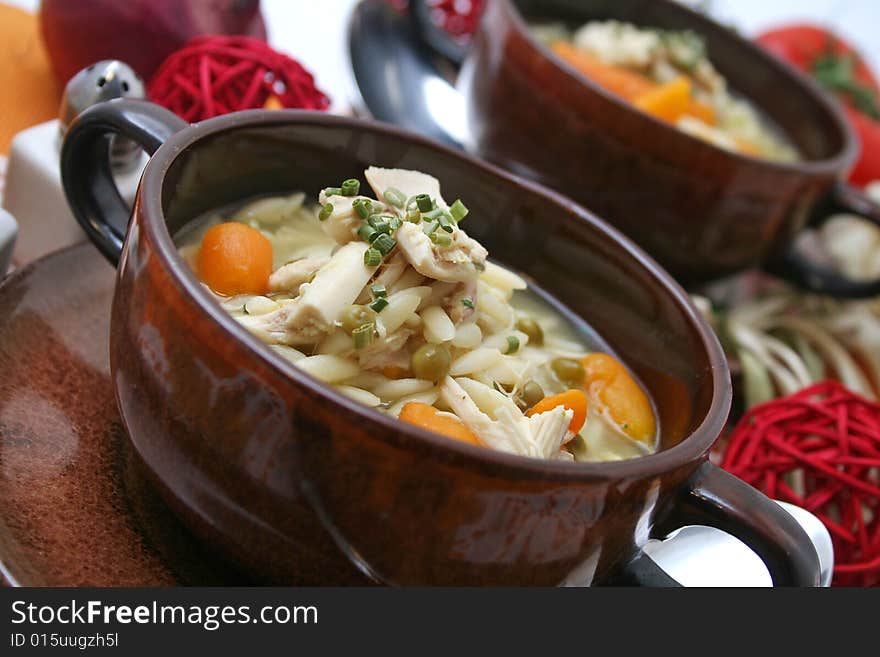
point(541, 435)
point(344, 221)
point(459, 262)
point(289, 277)
point(409, 183)
point(311, 315)
point(461, 304)
point(389, 351)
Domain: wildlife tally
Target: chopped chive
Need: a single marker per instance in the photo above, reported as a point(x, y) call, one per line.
point(445, 220)
point(333, 191)
point(394, 223)
point(442, 215)
point(479, 266)
point(372, 257)
point(458, 210)
point(423, 201)
point(440, 239)
point(363, 335)
point(468, 302)
point(325, 212)
point(395, 197)
point(430, 228)
point(351, 187)
point(367, 233)
point(379, 304)
point(413, 215)
point(512, 344)
point(381, 225)
point(384, 244)
point(363, 207)
point(378, 291)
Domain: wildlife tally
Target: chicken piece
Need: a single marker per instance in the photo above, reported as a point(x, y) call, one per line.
point(388, 274)
point(343, 223)
point(409, 183)
point(456, 305)
point(387, 351)
point(459, 262)
point(550, 430)
point(311, 315)
point(540, 436)
point(289, 277)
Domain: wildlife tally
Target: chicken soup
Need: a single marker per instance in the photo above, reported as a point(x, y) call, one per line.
point(385, 297)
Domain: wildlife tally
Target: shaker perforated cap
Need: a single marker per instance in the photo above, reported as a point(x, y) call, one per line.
point(102, 81)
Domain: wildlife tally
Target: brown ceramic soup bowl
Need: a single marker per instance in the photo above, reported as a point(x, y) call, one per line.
point(701, 211)
point(295, 482)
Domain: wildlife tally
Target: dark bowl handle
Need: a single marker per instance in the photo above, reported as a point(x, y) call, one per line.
point(715, 498)
point(85, 165)
point(799, 269)
point(434, 36)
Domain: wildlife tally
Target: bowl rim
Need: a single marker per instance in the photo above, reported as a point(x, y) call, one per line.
point(841, 160)
point(153, 224)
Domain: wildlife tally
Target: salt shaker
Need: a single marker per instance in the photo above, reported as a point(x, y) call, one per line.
point(33, 192)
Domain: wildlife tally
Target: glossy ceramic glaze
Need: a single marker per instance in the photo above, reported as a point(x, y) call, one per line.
point(701, 211)
point(288, 477)
point(75, 508)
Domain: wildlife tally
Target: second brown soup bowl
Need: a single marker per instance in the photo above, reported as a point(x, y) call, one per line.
point(296, 483)
point(701, 211)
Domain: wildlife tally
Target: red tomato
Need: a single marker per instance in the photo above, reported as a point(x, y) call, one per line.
point(868, 131)
point(802, 44)
point(843, 72)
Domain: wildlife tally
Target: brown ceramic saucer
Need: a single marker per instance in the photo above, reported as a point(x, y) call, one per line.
point(75, 509)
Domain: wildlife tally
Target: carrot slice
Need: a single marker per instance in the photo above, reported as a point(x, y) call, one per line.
point(616, 79)
point(235, 259)
point(573, 399)
point(427, 417)
point(395, 372)
point(673, 100)
point(668, 101)
point(618, 392)
point(700, 110)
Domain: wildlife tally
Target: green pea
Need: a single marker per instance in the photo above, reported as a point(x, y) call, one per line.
point(532, 393)
point(431, 362)
point(568, 370)
point(354, 316)
point(532, 329)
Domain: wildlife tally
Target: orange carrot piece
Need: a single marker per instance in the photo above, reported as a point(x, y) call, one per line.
point(616, 79)
point(673, 100)
point(700, 110)
point(235, 259)
point(668, 101)
point(394, 372)
point(427, 417)
point(618, 392)
point(573, 399)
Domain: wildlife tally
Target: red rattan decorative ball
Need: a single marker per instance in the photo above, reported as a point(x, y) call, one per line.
point(215, 75)
point(820, 449)
point(458, 17)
